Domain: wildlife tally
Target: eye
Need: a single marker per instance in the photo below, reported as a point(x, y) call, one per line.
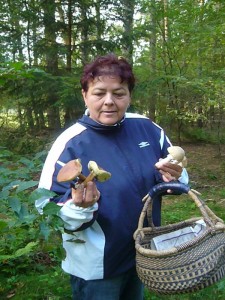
point(118, 95)
point(99, 95)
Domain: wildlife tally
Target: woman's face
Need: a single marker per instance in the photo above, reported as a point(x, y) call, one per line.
point(107, 99)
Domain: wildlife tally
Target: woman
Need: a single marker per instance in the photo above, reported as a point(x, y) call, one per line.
point(105, 215)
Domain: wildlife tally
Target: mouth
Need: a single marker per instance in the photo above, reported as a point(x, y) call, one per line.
point(109, 112)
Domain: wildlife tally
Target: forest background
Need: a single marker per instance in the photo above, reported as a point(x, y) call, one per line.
point(177, 49)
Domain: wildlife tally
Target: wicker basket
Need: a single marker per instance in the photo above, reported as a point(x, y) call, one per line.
point(189, 267)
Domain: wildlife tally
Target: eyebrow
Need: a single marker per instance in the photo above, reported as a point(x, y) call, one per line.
point(102, 89)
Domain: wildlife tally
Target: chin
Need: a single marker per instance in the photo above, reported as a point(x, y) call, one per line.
point(109, 122)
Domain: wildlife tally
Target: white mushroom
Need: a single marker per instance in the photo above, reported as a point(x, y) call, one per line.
point(183, 163)
point(176, 156)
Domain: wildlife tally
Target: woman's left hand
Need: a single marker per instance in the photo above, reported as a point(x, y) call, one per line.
point(170, 171)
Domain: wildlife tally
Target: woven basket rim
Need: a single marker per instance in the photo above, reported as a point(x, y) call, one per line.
point(174, 250)
point(213, 226)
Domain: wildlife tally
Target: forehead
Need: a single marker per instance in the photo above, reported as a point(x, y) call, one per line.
point(107, 81)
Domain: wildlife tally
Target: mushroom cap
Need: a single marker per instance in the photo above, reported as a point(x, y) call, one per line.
point(176, 152)
point(103, 175)
point(100, 174)
point(93, 167)
point(70, 171)
point(184, 162)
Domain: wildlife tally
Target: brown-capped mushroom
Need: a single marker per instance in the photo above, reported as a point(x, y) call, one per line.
point(70, 171)
point(73, 169)
point(96, 172)
point(176, 155)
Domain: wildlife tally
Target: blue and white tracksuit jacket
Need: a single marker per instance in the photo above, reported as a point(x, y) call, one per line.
point(129, 151)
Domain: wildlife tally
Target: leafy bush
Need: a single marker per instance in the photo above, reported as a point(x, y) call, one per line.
point(202, 135)
point(25, 235)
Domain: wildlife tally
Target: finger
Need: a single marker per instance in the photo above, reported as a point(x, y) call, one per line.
point(176, 167)
point(89, 191)
point(167, 177)
point(173, 170)
point(92, 193)
point(78, 194)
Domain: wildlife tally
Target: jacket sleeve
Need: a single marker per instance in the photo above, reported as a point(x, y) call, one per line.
point(77, 218)
point(73, 216)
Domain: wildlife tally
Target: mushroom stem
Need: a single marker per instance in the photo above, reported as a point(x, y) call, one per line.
point(90, 177)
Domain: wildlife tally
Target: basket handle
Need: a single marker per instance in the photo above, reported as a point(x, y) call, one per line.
point(175, 186)
point(181, 188)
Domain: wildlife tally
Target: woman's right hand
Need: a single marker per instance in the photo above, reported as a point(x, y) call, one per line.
point(85, 196)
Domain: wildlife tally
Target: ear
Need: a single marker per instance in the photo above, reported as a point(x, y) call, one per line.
point(129, 102)
point(84, 95)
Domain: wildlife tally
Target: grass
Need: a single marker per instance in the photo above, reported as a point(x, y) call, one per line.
point(48, 283)
point(215, 292)
point(53, 284)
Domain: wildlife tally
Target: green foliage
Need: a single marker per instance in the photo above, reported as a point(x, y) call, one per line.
point(214, 292)
point(30, 242)
point(176, 48)
point(41, 282)
point(202, 135)
point(24, 232)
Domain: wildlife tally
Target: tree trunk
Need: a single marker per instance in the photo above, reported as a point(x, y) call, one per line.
point(66, 28)
point(128, 13)
point(69, 34)
point(51, 62)
point(29, 117)
point(153, 98)
point(84, 34)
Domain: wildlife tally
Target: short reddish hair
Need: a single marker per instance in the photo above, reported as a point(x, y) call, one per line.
point(110, 65)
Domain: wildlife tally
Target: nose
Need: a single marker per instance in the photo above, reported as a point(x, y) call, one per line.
point(109, 99)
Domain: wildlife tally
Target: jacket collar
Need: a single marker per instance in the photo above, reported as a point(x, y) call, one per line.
point(88, 122)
